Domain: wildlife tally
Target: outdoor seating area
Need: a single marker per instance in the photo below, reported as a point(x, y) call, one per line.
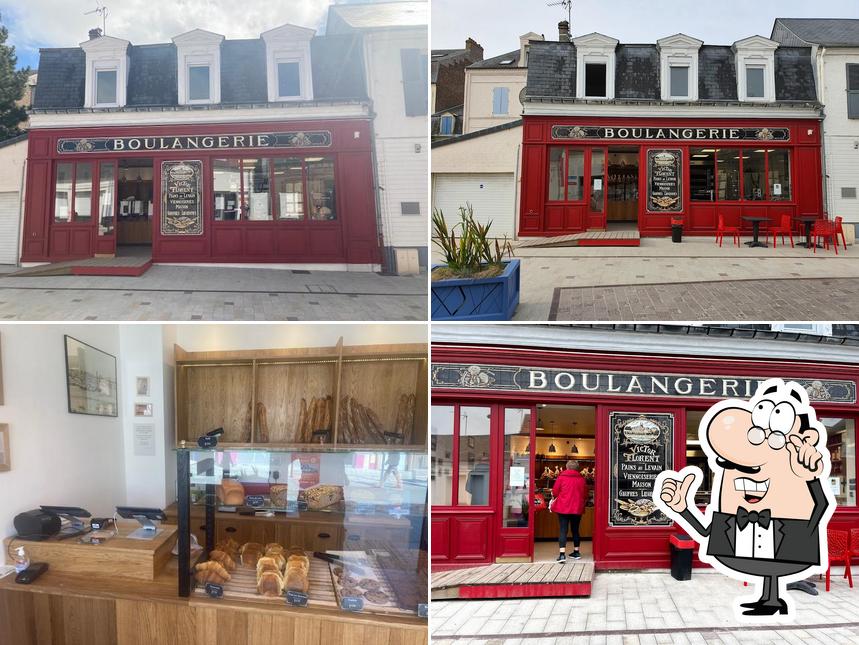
point(843, 547)
point(820, 232)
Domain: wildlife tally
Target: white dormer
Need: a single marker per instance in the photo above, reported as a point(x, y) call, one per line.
point(523, 46)
point(678, 67)
point(755, 59)
point(287, 61)
point(198, 55)
point(595, 65)
point(106, 72)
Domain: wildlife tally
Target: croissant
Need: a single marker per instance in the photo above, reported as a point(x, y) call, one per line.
point(211, 572)
point(270, 583)
point(224, 559)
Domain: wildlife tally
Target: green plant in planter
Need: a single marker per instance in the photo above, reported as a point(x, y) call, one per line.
point(466, 245)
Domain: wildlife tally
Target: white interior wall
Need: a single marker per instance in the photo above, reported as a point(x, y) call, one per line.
point(205, 337)
point(58, 458)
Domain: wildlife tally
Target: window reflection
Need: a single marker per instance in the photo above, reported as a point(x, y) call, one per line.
point(63, 193)
point(728, 160)
point(106, 197)
point(441, 454)
point(753, 174)
point(517, 467)
point(841, 442)
point(83, 192)
point(473, 487)
point(227, 181)
point(256, 196)
point(320, 186)
point(289, 188)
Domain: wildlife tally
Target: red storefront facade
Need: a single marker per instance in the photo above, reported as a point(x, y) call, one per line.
point(728, 167)
point(318, 205)
point(496, 380)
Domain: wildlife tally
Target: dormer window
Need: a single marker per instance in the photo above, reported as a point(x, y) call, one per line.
point(595, 62)
point(106, 72)
point(678, 62)
point(288, 64)
point(199, 67)
point(755, 60)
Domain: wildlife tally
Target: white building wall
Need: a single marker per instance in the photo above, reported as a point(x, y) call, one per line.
point(479, 86)
point(402, 157)
point(841, 135)
point(12, 160)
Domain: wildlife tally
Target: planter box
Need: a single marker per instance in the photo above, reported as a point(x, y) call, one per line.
point(477, 299)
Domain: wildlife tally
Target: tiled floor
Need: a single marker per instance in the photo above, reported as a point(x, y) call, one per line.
point(696, 260)
point(204, 293)
point(629, 608)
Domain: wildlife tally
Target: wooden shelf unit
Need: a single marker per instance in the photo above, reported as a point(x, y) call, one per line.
point(223, 389)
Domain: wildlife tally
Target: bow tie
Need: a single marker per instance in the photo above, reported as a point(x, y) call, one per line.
point(745, 516)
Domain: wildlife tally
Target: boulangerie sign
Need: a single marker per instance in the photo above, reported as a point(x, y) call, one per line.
point(618, 383)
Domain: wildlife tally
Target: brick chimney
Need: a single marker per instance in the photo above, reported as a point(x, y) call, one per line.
point(94, 33)
point(564, 31)
point(474, 47)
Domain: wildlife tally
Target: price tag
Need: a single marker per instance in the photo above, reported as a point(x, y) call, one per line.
point(207, 442)
point(351, 603)
point(321, 436)
point(423, 610)
point(394, 437)
point(302, 505)
point(214, 590)
point(364, 508)
point(255, 500)
point(296, 598)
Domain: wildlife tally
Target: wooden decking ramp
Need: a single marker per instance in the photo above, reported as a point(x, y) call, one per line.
point(529, 580)
point(129, 266)
point(591, 238)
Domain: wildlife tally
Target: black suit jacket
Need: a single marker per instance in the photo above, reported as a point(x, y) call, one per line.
point(795, 540)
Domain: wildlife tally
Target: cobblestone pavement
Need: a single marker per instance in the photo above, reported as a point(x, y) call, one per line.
point(658, 261)
point(646, 608)
point(201, 293)
point(834, 299)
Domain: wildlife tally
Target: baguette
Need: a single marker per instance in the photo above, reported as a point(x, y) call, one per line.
point(302, 421)
point(262, 423)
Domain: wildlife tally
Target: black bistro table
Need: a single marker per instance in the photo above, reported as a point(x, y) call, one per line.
point(808, 221)
point(756, 229)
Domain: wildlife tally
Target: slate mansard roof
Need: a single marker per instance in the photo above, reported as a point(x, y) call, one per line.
point(829, 32)
point(552, 73)
point(337, 64)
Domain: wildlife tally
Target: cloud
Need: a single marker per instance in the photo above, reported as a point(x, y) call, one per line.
point(57, 23)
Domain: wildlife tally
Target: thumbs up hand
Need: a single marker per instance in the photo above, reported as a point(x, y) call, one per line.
point(675, 492)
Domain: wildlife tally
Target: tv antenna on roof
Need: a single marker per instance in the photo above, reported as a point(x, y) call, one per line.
point(103, 12)
point(566, 4)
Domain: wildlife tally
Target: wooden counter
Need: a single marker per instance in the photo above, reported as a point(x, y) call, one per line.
point(62, 609)
point(546, 524)
point(118, 556)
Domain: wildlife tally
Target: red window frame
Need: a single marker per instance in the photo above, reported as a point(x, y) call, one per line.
point(454, 454)
point(742, 199)
point(274, 205)
point(73, 219)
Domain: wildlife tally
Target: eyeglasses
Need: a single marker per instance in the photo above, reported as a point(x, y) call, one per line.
point(775, 439)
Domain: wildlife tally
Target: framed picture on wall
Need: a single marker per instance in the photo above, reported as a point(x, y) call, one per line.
point(142, 386)
point(90, 380)
point(5, 456)
point(143, 409)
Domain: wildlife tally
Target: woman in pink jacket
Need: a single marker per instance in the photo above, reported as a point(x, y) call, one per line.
point(569, 495)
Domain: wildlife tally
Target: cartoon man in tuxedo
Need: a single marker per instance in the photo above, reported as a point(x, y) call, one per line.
point(768, 508)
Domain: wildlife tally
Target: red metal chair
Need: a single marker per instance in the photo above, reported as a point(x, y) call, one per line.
point(824, 230)
point(839, 230)
point(734, 231)
point(839, 552)
point(782, 229)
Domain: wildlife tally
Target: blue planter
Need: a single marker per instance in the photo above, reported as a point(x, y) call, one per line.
point(477, 299)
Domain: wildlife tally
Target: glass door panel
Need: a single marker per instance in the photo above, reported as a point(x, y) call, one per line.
point(516, 466)
point(441, 454)
point(474, 451)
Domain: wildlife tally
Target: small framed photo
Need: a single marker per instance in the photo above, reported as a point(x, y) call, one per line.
point(142, 386)
point(5, 456)
point(143, 409)
point(471, 442)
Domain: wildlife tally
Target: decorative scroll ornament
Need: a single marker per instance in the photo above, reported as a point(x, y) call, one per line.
point(765, 134)
point(475, 376)
point(84, 145)
point(817, 391)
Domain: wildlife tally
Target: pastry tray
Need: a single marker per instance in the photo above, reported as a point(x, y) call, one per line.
point(243, 585)
point(363, 568)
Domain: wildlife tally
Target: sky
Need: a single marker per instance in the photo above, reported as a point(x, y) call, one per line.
point(497, 24)
point(61, 23)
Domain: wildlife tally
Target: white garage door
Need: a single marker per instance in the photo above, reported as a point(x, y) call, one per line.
point(10, 206)
point(491, 196)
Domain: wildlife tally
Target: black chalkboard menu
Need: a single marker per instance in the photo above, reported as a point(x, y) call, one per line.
point(181, 198)
point(664, 181)
point(642, 446)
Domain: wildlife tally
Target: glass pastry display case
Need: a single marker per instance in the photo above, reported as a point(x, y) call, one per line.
point(323, 527)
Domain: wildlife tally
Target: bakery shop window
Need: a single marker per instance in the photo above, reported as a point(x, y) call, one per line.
point(841, 442)
point(73, 192)
point(263, 189)
point(314, 527)
point(474, 448)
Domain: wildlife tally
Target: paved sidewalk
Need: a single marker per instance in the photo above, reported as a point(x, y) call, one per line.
point(204, 293)
point(657, 261)
point(646, 608)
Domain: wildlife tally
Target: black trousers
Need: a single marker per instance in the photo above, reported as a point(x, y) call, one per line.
point(571, 521)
